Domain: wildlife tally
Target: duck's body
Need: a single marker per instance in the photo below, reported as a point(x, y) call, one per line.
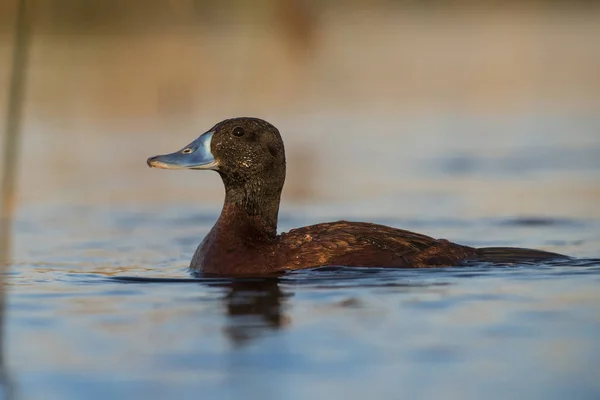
point(236, 242)
point(248, 153)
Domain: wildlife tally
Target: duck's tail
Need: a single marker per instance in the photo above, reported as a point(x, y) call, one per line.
point(515, 255)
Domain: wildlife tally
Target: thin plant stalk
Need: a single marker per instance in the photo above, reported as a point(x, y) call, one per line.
point(14, 118)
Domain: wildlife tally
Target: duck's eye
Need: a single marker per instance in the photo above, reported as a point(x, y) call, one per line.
point(238, 131)
point(187, 150)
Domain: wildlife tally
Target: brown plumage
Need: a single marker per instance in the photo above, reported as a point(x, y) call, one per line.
point(249, 155)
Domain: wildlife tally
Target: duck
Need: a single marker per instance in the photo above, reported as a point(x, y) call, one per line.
point(249, 155)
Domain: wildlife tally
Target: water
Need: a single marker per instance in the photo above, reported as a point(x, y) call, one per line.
point(74, 328)
point(101, 304)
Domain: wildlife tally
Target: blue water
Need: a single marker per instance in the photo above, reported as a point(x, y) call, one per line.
point(93, 313)
point(101, 305)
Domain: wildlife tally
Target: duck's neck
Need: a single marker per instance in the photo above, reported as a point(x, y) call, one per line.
point(251, 209)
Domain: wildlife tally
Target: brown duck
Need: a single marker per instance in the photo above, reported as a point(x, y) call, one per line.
point(249, 155)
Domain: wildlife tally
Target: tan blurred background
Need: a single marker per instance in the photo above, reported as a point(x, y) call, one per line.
point(112, 82)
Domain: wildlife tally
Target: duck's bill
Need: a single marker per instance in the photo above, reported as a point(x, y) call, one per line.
point(196, 155)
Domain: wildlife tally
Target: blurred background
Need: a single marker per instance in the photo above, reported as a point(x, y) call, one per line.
point(372, 97)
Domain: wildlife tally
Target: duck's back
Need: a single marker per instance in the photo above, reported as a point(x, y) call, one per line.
point(360, 244)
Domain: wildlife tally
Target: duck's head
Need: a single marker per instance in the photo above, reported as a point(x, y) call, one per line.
point(244, 151)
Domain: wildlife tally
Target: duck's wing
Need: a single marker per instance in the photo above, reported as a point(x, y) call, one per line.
point(366, 244)
point(342, 233)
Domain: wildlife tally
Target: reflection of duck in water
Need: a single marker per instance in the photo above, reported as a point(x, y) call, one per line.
point(249, 155)
point(253, 308)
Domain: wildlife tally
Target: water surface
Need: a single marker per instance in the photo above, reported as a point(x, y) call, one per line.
point(74, 330)
point(77, 329)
